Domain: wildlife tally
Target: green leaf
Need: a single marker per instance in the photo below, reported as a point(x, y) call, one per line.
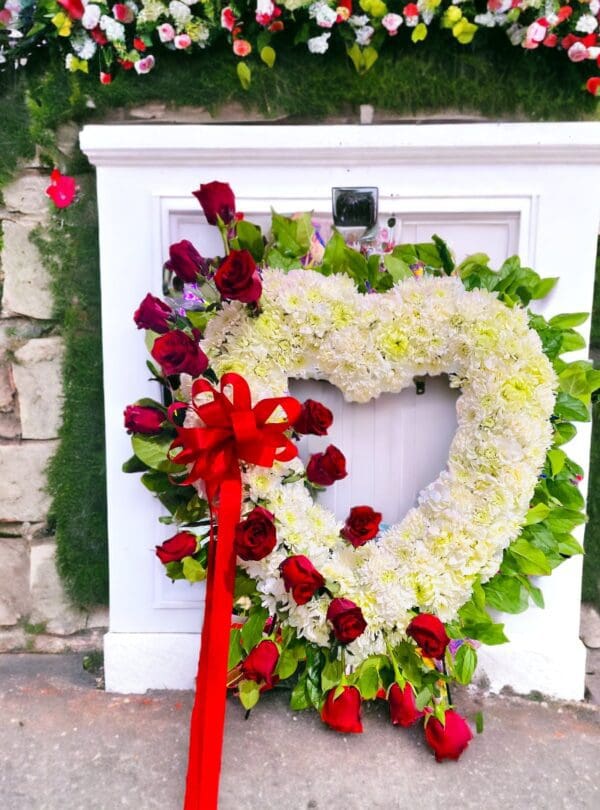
point(423, 698)
point(152, 451)
point(291, 237)
point(134, 465)
point(331, 675)
point(562, 520)
point(397, 268)
point(568, 321)
point(249, 694)
point(287, 664)
point(244, 75)
point(568, 546)
point(428, 253)
point(268, 55)
point(370, 56)
point(530, 560)
point(193, 570)
point(253, 628)
point(568, 494)
point(299, 699)
point(174, 570)
point(571, 409)
point(479, 722)
point(572, 341)
point(506, 593)
point(235, 649)
point(445, 255)
point(198, 319)
point(465, 662)
point(557, 460)
point(537, 513)
point(250, 238)
point(563, 432)
point(419, 33)
point(544, 287)
point(490, 633)
point(368, 682)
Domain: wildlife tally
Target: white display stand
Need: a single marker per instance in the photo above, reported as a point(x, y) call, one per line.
point(530, 189)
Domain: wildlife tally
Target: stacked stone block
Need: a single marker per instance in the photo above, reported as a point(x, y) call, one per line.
point(35, 613)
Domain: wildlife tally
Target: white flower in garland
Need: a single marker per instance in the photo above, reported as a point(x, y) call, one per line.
point(318, 44)
point(312, 326)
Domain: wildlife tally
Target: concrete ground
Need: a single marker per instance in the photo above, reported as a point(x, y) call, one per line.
point(66, 745)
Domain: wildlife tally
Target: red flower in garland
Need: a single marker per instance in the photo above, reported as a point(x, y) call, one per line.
point(315, 419)
point(403, 709)
point(74, 8)
point(343, 713)
point(177, 547)
point(178, 353)
point(326, 468)
point(61, 189)
point(217, 200)
point(430, 634)
point(301, 578)
point(346, 619)
point(449, 739)
point(261, 662)
point(362, 525)
point(255, 536)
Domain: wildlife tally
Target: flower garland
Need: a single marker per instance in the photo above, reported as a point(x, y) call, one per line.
point(123, 34)
point(347, 611)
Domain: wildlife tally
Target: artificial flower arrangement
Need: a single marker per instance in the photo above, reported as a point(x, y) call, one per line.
point(123, 35)
point(343, 612)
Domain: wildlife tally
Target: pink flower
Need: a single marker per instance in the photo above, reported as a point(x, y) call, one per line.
point(227, 19)
point(166, 32)
point(74, 8)
point(241, 47)
point(391, 23)
point(144, 65)
point(123, 13)
point(537, 31)
point(577, 52)
point(265, 11)
point(61, 189)
point(182, 41)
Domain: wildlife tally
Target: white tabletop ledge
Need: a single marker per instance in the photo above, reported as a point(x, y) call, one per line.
point(180, 145)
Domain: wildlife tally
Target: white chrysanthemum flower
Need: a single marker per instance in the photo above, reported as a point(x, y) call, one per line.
point(114, 30)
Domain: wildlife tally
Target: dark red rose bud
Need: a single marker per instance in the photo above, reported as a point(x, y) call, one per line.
point(255, 536)
point(301, 578)
point(430, 634)
point(403, 710)
point(362, 525)
point(176, 548)
point(343, 713)
point(325, 468)
point(448, 741)
point(139, 419)
point(186, 262)
point(261, 662)
point(217, 200)
point(346, 619)
point(314, 419)
point(238, 279)
point(153, 314)
point(178, 353)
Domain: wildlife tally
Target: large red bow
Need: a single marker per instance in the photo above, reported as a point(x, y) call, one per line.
point(231, 432)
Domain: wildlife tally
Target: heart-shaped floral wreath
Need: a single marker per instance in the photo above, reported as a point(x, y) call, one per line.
point(346, 611)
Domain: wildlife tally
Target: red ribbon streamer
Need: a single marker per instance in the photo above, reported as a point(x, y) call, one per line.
point(231, 432)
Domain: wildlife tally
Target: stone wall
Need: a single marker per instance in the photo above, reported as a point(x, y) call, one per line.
point(35, 613)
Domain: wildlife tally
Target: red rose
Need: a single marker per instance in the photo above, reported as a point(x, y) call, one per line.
point(429, 633)
point(217, 200)
point(237, 277)
point(403, 710)
point(99, 37)
point(153, 314)
point(325, 468)
point(178, 353)
point(301, 578)
point(61, 189)
point(347, 620)
point(314, 418)
point(177, 547)
point(74, 8)
point(185, 261)
point(362, 524)
point(123, 13)
point(139, 419)
point(449, 740)
point(343, 713)
point(255, 536)
point(261, 662)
